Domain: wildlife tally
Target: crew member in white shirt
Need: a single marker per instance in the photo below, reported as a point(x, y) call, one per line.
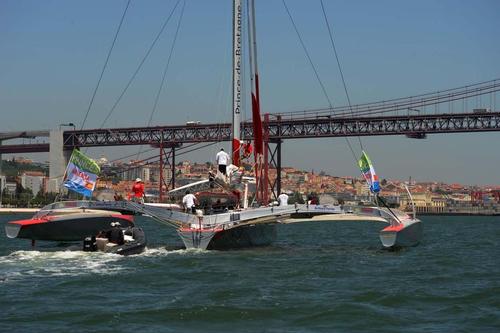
point(189, 201)
point(283, 199)
point(222, 159)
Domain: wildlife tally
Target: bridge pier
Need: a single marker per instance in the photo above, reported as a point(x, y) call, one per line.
point(58, 160)
point(169, 158)
point(275, 161)
point(272, 157)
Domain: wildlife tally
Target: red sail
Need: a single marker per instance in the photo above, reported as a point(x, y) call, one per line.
point(236, 151)
point(257, 121)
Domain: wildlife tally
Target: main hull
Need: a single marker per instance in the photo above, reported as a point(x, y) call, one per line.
point(241, 236)
point(262, 234)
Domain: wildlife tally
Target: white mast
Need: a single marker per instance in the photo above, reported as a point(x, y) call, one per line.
point(237, 56)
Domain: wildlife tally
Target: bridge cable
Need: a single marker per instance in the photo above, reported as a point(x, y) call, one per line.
point(158, 35)
point(105, 64)
point(402, 103)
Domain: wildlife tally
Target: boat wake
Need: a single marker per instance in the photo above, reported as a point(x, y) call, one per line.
point(163, 251)
point(45, 264)
point(41, 264)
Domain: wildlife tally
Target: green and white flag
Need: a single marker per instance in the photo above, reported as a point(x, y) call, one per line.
point(81, 174)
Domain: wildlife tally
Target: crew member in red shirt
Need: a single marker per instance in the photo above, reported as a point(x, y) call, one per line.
point(138, 191)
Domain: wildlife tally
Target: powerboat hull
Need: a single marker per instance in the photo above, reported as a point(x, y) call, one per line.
point(67, 227)
point(134, 244)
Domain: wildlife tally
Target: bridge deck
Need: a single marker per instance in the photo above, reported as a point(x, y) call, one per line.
point(279, 129)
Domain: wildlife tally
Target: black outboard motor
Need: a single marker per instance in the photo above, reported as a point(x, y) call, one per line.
point(89, 244)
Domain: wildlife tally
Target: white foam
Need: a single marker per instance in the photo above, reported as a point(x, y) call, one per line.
point(161, 251)
point(22, 264)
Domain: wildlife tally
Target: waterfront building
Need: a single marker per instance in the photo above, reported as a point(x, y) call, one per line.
point(22, 160)
point(33, 180)
point(425, 202)
point(3, 180)
point(201, 169)
point(184, 167)
point(136, 169)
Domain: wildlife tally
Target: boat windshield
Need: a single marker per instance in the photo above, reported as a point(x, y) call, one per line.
point(61, 205)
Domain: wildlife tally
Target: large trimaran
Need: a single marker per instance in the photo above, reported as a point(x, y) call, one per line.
point(253, 226)
point(257, 226)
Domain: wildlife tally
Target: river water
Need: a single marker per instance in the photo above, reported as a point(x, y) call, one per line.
point(317, 277)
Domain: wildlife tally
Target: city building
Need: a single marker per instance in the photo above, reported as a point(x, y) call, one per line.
point(33, 180)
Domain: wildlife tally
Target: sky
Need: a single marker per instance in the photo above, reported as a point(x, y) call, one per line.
point(52, 53)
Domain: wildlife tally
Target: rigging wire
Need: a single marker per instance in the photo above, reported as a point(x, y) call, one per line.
point(127, 156)
point(315, 71)
point(105, 64)
point(140, 64)
point(180, 151)
point(307, 54)
point(377, 195)
point(167, 65)
point(339, 66)
point(345, 86)
point(198, 148)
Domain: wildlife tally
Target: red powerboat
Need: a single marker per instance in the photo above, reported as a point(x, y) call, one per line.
point(66, 221)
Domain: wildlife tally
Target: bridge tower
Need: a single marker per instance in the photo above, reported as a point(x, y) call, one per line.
point(58, 160)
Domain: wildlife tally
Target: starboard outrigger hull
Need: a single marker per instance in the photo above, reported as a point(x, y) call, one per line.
point(403, 230)
point(408, 233)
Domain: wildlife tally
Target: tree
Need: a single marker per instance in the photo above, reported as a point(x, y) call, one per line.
point(313, 197)
point(19, 190)
point(296, 197)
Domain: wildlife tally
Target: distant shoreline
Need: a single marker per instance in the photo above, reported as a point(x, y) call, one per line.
point(8, 210)
point(457, 214)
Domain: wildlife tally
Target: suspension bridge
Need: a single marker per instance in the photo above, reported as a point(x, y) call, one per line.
point(467, 109)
